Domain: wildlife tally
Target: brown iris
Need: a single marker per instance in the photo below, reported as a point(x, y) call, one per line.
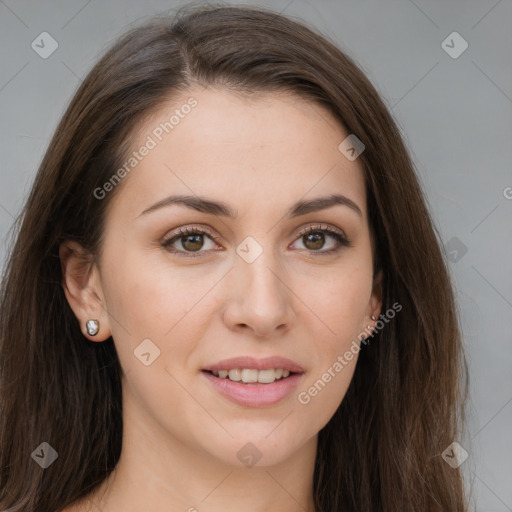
point(318, 239)
point(195, 242)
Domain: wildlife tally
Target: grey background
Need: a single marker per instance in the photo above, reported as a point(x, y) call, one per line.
point(455, 115)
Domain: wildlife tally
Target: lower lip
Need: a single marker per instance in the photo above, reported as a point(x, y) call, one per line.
point(255, 394)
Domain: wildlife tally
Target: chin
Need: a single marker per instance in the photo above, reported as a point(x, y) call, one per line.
point(259, 448)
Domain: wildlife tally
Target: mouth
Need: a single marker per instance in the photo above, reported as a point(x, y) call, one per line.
point(253, 376)
point(252, 382)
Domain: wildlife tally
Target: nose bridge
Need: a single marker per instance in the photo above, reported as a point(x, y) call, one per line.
point(258, 296)
point(261, 276)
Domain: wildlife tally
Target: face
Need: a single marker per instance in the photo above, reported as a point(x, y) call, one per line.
point(183, 288)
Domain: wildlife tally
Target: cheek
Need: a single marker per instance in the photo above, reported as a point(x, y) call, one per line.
point(148, 298)
point(324, 390)
point(160, 303)
point(340, 304)
point(338, 297)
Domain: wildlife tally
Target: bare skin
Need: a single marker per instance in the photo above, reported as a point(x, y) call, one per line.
point(180, 436)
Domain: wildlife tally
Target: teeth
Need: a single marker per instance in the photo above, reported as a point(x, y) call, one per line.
point(266, 376)
point(234, 375)
point(251, 376)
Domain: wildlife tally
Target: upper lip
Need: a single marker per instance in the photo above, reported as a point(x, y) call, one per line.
point(253, 363)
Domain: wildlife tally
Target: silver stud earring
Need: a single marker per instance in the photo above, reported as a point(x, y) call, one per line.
point(93, 327)
point(373, 317)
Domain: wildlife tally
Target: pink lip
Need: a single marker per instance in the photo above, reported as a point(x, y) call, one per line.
point(254, 394)
point(252, 363)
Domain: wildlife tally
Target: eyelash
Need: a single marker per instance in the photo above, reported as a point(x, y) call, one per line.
point(341, 239)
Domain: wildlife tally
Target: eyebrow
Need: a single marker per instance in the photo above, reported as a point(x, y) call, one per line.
point(205, 205)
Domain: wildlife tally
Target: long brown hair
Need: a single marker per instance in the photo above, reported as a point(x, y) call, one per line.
point(382, 448)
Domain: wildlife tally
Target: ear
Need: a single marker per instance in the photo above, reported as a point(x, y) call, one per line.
point(82, 287)
point(375, 305)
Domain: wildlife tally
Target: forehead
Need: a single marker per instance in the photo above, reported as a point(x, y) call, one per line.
point(262, 149)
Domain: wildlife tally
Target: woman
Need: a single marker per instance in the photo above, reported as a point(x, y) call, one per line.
point(227, 290)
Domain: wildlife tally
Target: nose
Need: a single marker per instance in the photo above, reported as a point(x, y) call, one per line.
point(258, 299)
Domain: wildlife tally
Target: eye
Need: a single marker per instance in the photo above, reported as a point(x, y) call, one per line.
point(191, 240)
point(313, 237)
